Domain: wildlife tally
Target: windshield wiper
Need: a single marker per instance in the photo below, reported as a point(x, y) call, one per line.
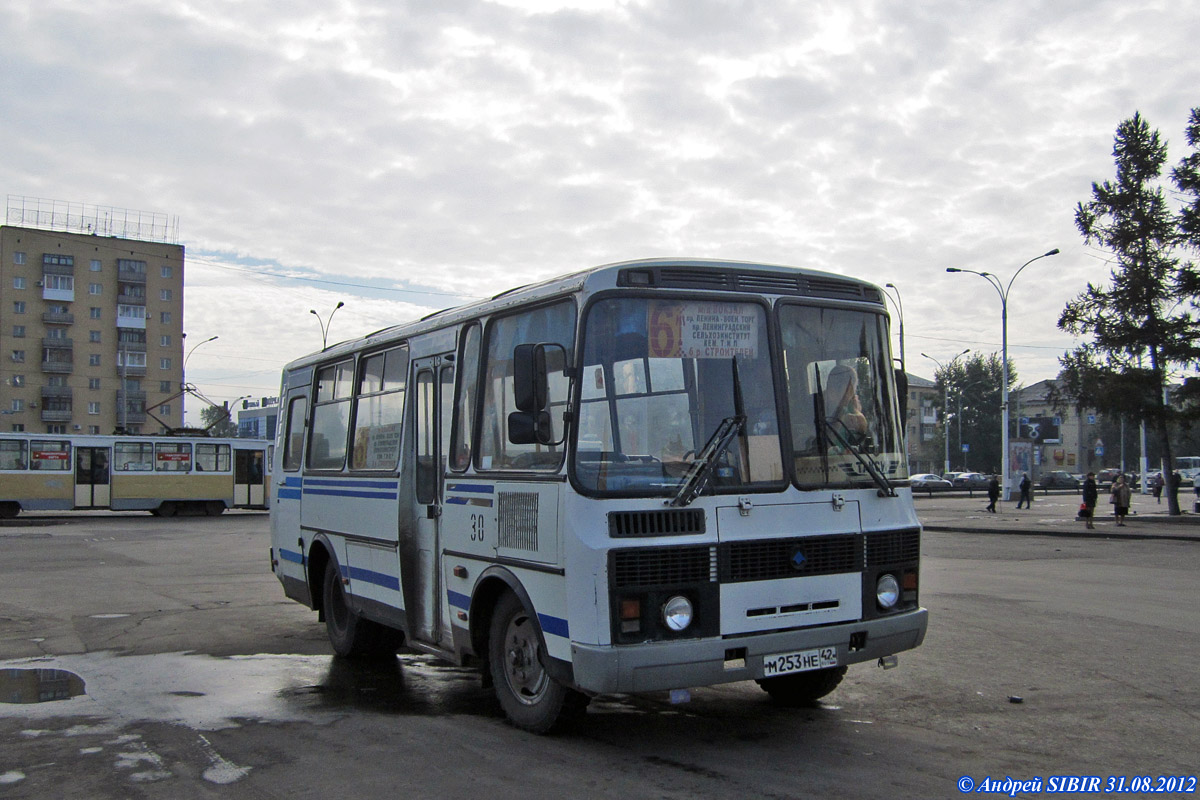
point(701, 469)
point(885, 486)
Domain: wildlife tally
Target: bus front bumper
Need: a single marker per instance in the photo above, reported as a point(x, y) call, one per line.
point(657, 666)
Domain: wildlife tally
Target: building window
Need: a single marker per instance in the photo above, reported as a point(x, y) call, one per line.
point(165, 317)
point(132, 312)
point(18, 306)
point(18, 258)
point(93, 383)
point(165, 272)
point(164, 294)
point(94, 266)
point(57, 260)
point(57, 380)
point(18, 380)
point(166, 410)
point(94, 312)
point(94, 430)
point(64, 283)
point(18, 331)
point(93, 408)
point(131, 265)
point(18, 282)
point(164, 386)
point(18, 356)
point(56, 429)
point(18, 404)
point(95, 288)
point(164, 363)
point(56, 333)
point(94, 360)
point(18, 427)
point(164, 341)
point(128, 359)
point(93, 336)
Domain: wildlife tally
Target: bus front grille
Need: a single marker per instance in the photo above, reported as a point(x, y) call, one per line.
point(658, 566)
point(768, 559)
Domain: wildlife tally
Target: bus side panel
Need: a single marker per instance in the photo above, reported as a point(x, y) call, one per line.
point(52, 490)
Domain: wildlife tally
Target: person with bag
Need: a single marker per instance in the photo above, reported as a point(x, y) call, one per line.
point(1121, 495)
point(1087, 509)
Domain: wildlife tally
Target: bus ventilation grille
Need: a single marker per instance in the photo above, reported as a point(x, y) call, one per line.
point(517, 514)
point(659, 566)
point(756, 282)
point(768, 559)
point(667, 522)
point(891, 547)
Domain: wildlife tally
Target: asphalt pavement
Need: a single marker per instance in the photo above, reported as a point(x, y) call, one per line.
point(1054, 514)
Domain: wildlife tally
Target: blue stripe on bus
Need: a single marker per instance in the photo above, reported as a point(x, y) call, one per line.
point(470, 487)
point(347, 493)
point(555, 626)
point(459, 600)
point(291, 555)
point(294, 481)
point(288, 494)
point(349, 482)
point(377, 578)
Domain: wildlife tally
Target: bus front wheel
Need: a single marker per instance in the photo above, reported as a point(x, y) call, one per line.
point(802, 688)
point(531, 699)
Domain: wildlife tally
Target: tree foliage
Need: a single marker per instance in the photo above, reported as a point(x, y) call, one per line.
point(218, 421)
point(974, 386)
point(1142, 321)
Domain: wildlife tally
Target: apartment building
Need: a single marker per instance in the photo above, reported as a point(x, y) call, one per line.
point(91, 332)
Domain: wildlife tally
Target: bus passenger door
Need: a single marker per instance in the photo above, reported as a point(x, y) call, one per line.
point(92, 477)
point(435, 398)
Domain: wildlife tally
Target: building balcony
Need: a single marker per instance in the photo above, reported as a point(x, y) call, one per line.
point(131, 371)
point(131, 299)
point(58, 367)
point(130, 276)
point(58, 269)
point(56, 392)
point(56, 415)
point(58, 344)
point(54, 318)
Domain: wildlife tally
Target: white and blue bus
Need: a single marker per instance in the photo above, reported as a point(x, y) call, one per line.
point(647, 476)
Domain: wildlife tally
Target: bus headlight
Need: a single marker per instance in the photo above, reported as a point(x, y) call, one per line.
point(677, 613)
point(887, 591)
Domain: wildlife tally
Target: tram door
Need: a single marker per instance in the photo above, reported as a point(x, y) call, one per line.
point(248, 473)
point(92, 484)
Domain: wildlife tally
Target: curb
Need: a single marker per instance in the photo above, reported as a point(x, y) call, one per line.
point(1081, 533)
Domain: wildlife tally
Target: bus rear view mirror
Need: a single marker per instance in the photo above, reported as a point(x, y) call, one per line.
point(530, 427)
point(530, 392)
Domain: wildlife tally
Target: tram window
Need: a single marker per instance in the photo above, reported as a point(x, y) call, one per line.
point(14, 454)
point(173, 457)
point(294, 437)
point(133, 456)
point(47, 455)
point(212, 457)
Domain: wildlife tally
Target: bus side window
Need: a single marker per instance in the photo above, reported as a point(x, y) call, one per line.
point(294, 437)
point(464, 404)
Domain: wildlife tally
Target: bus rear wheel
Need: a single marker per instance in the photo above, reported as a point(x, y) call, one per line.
point(350, 634)
point(802, 688)
point(532, 700)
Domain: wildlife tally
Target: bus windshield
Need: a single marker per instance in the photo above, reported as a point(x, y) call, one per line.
point(659, 379)
point(841, 397)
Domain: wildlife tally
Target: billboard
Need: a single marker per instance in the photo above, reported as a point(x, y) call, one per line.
point(1041, 429)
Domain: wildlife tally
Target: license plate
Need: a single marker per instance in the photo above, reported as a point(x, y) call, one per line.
point(801, 661)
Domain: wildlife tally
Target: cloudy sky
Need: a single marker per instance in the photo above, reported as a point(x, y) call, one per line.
point(407, 156)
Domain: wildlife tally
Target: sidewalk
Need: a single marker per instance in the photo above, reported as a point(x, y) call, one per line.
point(1054, 515)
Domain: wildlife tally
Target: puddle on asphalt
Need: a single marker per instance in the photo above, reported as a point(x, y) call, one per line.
point(209, 693)
point(35, 685)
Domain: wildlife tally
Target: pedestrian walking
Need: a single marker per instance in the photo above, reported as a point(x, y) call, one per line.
point(1026, 492)
point(993, 493)
point(1087, 510)
point(1121, 495)
point(1156, 484)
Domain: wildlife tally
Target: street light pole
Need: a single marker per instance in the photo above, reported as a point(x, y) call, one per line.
point(325, 323)
point(900, 309)
point(183, 369)
point(1003, 291)
point(946, 403)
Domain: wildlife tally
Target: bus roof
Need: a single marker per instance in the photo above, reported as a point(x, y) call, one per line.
point(663, 273)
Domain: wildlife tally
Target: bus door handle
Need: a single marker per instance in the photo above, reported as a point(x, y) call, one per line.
point(433, 512)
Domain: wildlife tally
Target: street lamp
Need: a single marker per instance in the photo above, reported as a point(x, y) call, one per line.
point(325, 323)
point(1003, 290)
point(946, 402)
point(900, 310)
point(183, 369)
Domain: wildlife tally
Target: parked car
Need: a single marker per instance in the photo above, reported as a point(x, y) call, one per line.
point(1058, 479)
point(971, 480)
point(928, 482)
point(950, 476)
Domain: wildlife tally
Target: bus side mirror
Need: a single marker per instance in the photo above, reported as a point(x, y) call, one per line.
point(530, 384)
point(531, 422)
point(902, 390)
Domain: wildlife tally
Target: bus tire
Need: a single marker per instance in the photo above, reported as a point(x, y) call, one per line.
point(531, 699)
point(350, 634)
point(802, 689)
point(9, 510)
point(166, 509)
point(214, 508)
